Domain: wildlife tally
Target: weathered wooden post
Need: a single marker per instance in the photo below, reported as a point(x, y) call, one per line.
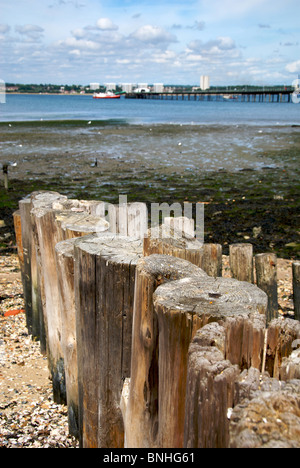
point(128, 219)
point(282, 336)
point(266, 279)
point(212, 260)
point(5, 174)
point(18, 233)
point(48, 235)
point(182, 224)
point(65, 270)
point(241, 262)
point(183, 307)
point(72, 226)
point(166, 240)
point(210, 390)
point(141, 414)
point(104, 293)
point(26, 229)
point(32, 283)
point(296, 288)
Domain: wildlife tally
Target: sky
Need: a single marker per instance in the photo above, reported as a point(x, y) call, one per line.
point(142, 41)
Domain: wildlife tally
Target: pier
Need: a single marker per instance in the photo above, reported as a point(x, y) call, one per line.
point(259, 95)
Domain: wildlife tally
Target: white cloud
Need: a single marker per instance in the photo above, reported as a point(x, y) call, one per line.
point(4, 28)
point(221, 46)
point(30, 31)
point(293, 67)
point(105, 24)
point(153, 35)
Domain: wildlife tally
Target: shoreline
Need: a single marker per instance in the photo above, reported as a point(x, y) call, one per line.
point(248, 178)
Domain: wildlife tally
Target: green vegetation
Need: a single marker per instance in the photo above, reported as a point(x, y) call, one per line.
point(79, 89)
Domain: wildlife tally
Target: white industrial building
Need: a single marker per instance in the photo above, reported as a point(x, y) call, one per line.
point(204, 82)
point(158, 88)
point(94, 86)
point(127, 87)
point(110, 86)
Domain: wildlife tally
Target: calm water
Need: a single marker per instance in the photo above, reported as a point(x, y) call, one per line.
point(141, 135)
point(43, 107)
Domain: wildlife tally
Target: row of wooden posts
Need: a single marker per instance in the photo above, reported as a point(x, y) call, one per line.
point(146, 342)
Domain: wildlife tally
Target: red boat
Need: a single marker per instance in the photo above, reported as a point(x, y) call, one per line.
point(108, 95)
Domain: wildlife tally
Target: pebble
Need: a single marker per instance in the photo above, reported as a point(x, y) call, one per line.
point(29, 418)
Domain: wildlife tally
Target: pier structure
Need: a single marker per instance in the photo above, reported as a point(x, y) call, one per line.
point(259, 95)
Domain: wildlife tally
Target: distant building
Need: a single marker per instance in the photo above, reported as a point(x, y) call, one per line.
point(94, 86)
point(204, 82)
point(158, 88)
point(127, 87)
point(110, 86)
point(142, 90)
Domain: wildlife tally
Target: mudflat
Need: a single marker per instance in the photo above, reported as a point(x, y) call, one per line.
point(247, 176)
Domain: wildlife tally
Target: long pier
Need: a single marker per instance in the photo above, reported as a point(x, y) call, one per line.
point(261, 95)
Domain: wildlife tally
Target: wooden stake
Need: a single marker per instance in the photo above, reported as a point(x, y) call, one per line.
point(5, 175)
point(182, 308)
point(168, 241)
point(266, 278)
point(141, 416)
point(210, 391)
point(65, 270)
point(241, 262)
point(104, 292)
point(296, 288)
point(212, 259)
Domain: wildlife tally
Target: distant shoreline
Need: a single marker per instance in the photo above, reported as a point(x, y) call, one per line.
point(45, 94)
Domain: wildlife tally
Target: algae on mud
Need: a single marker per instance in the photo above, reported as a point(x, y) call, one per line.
point(248, 177)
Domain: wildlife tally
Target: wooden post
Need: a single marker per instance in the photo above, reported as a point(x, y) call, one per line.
point(141, 414)
point(266, 279)
point(168, 241)
point(182, 308)
point(104, 292)
point(241, 262)
point(212, 260)
point(48, 236)
point(256, 421)
point(18, 234)
point(296, 288)
point(26, 229)
point(282, 335)
point(128, 219)
point(5, 175)
point(49, 233)
point(79, 224)
point(65, 270)
point(182, 224)
point(210, 390)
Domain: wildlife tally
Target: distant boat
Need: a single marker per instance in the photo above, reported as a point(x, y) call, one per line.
point(229, 96)
point(107, 95)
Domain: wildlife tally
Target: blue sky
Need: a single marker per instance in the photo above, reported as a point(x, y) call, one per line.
point(168, 41)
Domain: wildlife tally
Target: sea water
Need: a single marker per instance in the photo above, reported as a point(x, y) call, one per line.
point(140, 111)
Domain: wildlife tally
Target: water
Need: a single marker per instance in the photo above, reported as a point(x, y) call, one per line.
point(136, 111)
point(54, 135)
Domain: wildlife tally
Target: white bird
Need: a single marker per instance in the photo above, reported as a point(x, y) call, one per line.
point(89, 123)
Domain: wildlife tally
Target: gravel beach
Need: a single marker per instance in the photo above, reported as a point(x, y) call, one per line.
point(28, 416)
